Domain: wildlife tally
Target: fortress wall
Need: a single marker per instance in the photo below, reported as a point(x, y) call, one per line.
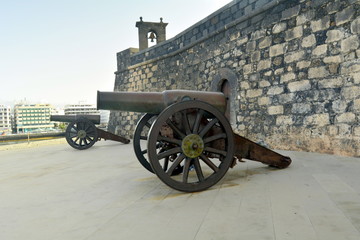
point(293, 67)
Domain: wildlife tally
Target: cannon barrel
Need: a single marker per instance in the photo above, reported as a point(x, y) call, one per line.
point(156, 102)
point(72, 118)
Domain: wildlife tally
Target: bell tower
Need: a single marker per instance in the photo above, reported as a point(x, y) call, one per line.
point(155, 32)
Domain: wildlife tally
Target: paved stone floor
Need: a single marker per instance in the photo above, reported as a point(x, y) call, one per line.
point(56, 192)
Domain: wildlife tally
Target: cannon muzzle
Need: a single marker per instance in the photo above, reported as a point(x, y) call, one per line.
point(72, 118)
point(156, 102)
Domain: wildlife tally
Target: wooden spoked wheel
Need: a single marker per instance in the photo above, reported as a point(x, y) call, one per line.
point(81, 134)
point(195, 136)
point(140, 142)
point(140, 139)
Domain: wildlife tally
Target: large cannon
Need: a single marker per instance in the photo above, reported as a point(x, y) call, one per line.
point(81, 133)
point(190, 144)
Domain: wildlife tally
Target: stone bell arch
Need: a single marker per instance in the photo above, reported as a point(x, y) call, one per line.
point(151, 30)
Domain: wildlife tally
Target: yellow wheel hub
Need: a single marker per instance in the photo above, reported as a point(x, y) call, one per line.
point(81, 134)
point(192, 145)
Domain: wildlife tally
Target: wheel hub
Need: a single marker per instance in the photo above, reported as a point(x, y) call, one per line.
point(81, 134)
point(192, 145)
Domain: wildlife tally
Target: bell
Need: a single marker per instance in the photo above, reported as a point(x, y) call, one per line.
point(152, 36)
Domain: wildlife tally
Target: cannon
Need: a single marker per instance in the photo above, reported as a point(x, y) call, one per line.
point(81, 133)
point(185, 137)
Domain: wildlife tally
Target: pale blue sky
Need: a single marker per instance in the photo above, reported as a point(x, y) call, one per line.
point(62, 52)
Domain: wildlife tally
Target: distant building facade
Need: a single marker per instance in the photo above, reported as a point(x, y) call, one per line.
point(80, 109)
point(30, 117)
point(104, 117)
point(57, 111)
point(5, 119)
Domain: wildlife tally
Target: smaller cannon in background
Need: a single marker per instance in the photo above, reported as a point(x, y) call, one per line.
point(190, 143)
point(81, 133)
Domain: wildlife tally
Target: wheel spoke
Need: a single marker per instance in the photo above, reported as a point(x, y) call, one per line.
point(148, 124)
point(208, 127)
point(72, 135)
point(197, 121)
point(214, 150)
point(89, 139)
point(176, 163)
point(166, 163)
point(143, 152)
point(87, 126)
point(169, 140)
point(215, 137)
point(198, 170)
point(91, 131)
point(79, 126)
point(176, 129)
point(77, 138)
point(169, 152)
point(186, 123)
point(209, 163)
point(143, 138)
point(186, 170)
point(91, 134)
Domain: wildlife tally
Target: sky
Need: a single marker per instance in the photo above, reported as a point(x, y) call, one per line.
point(62, 52)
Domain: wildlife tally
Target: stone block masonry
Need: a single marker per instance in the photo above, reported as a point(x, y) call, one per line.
point(294, 68)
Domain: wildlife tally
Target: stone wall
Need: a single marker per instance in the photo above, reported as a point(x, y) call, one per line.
point(293, 66)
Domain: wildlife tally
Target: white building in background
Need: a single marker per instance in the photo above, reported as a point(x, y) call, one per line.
point(104, 117)
point(81, 109)
point(31, 117)
point(88, 109)
point(5, 119)
point(57, 111)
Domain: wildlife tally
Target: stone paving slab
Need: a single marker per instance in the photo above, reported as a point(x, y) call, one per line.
point(56, 192)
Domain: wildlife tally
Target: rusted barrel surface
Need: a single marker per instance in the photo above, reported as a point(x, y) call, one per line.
point(72, 118)
point(156, 102)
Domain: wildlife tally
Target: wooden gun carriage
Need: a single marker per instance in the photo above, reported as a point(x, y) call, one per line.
point(81, 133)
point(189, 143)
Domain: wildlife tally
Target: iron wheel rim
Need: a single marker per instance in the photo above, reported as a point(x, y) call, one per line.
point(139, 136)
